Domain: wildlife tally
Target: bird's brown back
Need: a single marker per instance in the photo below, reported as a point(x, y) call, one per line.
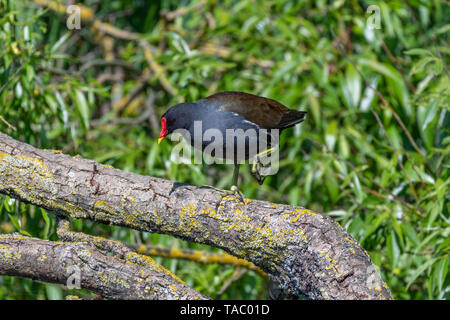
point(264, 112)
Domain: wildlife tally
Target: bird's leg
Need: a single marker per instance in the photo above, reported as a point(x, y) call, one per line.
point(235, 175)
point(256, 166)
point(235, 186)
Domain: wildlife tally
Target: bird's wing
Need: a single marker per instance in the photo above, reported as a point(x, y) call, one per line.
point(264, 112)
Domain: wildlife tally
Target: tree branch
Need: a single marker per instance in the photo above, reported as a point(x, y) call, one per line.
point(110, 277)
point(306, 253)
point(198, 256)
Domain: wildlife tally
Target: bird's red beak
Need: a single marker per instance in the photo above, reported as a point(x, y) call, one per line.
point(164, 131)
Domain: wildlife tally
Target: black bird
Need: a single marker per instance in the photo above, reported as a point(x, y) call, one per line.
point(212, 124)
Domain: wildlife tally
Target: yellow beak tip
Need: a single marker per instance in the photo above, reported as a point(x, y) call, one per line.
point(160, 139)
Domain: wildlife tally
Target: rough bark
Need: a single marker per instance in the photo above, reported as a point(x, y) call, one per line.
point(307, 253)
point(107, 276)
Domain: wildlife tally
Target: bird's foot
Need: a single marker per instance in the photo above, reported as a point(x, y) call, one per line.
point(256, 170)
point(261, 169)
point(233, 192)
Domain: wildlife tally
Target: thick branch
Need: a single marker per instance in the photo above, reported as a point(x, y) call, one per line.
point(107, 276)
point(306, 253)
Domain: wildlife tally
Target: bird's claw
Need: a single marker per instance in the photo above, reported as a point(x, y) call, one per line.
point(256, 170)
point(234, 191)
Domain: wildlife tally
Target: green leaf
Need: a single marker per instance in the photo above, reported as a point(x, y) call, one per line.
point(333, 190)
point(178, 43)
point(60, 42)
point(394, 136)
point(444, 246)
point(444, 29)
point(51, 103)
point(374, 225)
point(308, 183)
point(331, 135)
point(393, 249)
point(315, 109)
point(16, 224)
point(82, 107)
point(54, 292)
point(398, 229)
point(344, 147)
point(419, 52)
point(438, 66)
point(63, 109)
point(9, 204)
point(47, 223)
point(433, 214)
point(419, 271)
point(384, 69)
point(357, 189)
point(353, 85)
point(440, 271)
point(419, 66)
point(429, 114)
point(369, 94)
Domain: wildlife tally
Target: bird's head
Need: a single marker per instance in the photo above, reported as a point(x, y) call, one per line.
point(176, 117)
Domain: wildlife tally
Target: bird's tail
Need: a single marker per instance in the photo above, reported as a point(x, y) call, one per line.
point(291, 118)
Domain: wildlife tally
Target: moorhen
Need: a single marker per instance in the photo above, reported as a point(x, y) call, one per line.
point(225, 113)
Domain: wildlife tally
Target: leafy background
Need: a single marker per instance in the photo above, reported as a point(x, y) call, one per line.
point(374, 160)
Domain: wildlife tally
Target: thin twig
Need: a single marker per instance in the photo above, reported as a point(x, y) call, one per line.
point(9, 79)
point(125, 101)
point(124, 121)
point(237, 274)
point(394, 62)
point(399, 160)
point(8, 124)
point(171, 15)
point(102, 62)
point(158, 70)
point(150, 109)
